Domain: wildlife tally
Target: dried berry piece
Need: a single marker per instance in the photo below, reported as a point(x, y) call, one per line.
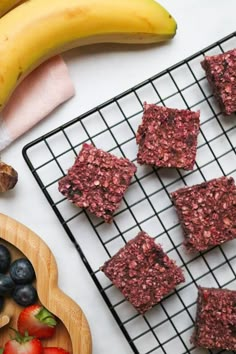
point(143, 272)
point(216, 319)
point(8, 177)
point(97, 181)
point(167, 137)
point(207, 213)
point(221, 75)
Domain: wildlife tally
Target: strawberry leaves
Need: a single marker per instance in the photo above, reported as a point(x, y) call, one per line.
point(45, 317)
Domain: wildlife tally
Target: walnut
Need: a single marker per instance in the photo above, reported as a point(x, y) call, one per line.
point(8, 177)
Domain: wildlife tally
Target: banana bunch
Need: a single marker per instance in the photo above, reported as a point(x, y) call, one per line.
point(36, 30)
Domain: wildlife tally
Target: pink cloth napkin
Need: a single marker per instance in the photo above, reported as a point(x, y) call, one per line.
point(39, 94)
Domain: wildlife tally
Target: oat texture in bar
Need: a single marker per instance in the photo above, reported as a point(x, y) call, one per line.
point(167, 137)
point(221, 75)
point(143, 272)
point(216, 319)
point(97, 181)
point(207, 213)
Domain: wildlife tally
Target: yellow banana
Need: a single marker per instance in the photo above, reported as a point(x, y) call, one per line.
point(6, 5)
point(38, 29)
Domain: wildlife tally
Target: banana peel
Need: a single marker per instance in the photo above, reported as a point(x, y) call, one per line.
point(36, 30)
point(7, 5)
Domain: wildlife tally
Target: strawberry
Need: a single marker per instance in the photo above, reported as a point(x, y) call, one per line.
point(37, 321)
point(54, 350)
point(23, 345)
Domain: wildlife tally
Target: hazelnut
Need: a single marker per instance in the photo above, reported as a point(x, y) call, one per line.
point(8, 177)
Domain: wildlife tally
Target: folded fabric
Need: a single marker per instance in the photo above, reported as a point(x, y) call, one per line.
point(39, 94)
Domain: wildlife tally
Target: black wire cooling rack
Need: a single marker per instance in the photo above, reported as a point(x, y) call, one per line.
point(166, 328)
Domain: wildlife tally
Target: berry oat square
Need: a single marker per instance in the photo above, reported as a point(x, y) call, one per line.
point(216, 319)
point(167, 137)
point(221, 75)
point(97, 181)
point(143, 272)
point(207, 213)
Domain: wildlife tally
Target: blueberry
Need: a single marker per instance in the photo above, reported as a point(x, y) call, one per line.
point(25, 295)
point(5, 259)
point(22, 271)
point(1, 303)
point(6, 285)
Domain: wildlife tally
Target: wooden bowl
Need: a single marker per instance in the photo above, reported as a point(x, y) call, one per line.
point(73, 333)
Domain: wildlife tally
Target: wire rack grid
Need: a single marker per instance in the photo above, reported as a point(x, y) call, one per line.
point(147, 205)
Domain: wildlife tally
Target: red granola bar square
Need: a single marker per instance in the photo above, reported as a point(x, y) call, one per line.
point(167, 137)
point(221, 75)
point(143, 272)
point(215, 325)
point(97, 181)
point(207, 213)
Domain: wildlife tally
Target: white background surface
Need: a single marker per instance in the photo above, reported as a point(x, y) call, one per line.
point(100, 72)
